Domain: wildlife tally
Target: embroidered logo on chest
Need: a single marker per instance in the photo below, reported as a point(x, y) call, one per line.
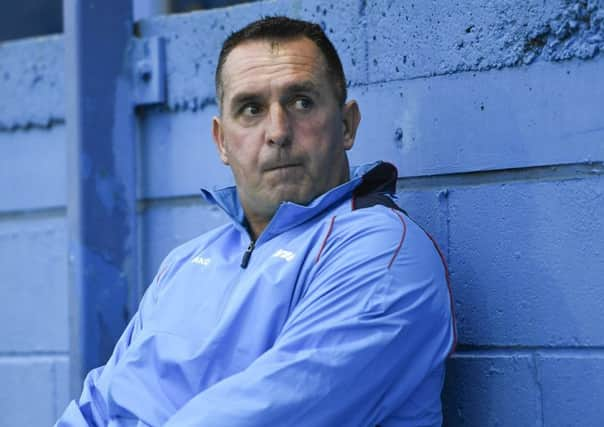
point(286, 255)
point(201, 260)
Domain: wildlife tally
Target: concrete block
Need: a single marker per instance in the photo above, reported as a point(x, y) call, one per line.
point(33, 295)
point(62, 395)
point(167, 225)
point(32, 85)
point(32, 169)
point(429, 208)
point(527, 263)
point(573, 388)
point(193, 42)
point(28, 395)
point(491, 390)
point(179, 156)
point(492, 120)
point(414, 39)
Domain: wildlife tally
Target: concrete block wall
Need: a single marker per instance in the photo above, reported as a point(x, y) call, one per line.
point(492, 112)
point(34, 349)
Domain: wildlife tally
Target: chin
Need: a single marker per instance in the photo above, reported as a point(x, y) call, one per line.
point(293, 197)
point(301, 200)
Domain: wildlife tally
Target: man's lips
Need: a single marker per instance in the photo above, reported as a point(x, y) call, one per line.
point(281, 166)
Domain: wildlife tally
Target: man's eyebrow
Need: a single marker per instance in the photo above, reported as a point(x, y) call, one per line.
point(306, 86)
point(244, 97)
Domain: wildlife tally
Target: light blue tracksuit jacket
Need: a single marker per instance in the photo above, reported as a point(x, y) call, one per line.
point(338, 315)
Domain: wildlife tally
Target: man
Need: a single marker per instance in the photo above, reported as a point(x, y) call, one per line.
point(320, 304)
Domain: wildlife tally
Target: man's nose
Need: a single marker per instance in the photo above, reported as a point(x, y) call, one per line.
point(278, 127)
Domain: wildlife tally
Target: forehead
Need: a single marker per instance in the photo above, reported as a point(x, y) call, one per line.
point(258, 63)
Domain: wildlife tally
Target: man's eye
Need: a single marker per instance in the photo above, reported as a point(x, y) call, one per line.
point(303, 104)
point(250, 110)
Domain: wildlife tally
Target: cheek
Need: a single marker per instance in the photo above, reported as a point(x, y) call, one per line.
point(239, 146)
point(325, 126)
point(244, 163)
point(322, 139)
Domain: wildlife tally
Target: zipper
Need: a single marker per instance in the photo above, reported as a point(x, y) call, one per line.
point(247, 254)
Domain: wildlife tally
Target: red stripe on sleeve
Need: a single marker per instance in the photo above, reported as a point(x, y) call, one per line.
point(333, 218)
point(400, 244)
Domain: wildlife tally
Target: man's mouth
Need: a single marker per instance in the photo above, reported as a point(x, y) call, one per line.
point(281, 166)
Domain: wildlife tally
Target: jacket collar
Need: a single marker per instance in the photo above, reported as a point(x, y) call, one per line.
point(377, 176)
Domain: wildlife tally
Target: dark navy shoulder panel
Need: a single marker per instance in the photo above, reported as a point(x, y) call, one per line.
point(374, 199)
point(375, 187)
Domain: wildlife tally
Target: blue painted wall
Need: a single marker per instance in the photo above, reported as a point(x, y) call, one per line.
point(493, 112)
point(34, 312)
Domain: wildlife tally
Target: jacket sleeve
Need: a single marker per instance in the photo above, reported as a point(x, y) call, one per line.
point(91, 408)
point(373, 323)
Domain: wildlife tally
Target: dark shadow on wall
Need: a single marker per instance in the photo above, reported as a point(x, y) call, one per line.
point(180, 6)
point(30, 18)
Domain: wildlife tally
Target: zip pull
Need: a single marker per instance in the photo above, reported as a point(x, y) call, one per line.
point(247, 254)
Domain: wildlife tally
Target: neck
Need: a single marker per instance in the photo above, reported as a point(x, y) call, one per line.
point(255, 227)
point(256, 222)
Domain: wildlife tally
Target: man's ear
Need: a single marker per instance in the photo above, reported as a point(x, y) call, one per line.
point(351, 117)
point(218, 136)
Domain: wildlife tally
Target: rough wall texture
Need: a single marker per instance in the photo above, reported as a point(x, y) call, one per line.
point(32, 83)
point(34, 311)
point(492, 111)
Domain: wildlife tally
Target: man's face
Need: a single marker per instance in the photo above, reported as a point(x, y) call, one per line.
point(282, 130)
